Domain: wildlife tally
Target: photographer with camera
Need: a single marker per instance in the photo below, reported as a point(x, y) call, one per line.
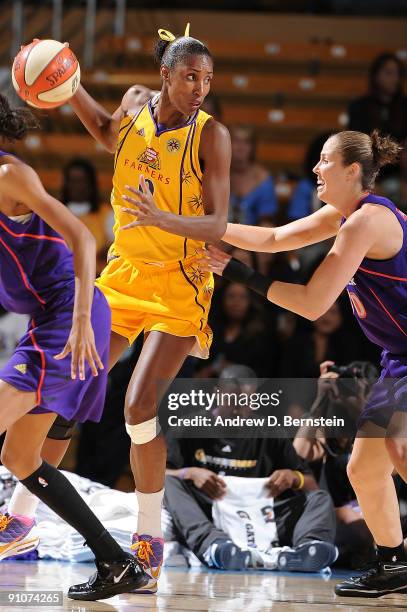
point(342, 390)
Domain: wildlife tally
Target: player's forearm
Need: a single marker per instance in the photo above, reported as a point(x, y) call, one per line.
point(96, 119)
point(208, 228)
point(249, 237)
point(297, 298)
point(84, 254)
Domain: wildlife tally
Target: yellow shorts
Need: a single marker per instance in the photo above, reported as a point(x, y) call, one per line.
point(173, 298)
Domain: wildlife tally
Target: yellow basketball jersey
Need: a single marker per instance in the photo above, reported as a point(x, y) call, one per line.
point(168, 159)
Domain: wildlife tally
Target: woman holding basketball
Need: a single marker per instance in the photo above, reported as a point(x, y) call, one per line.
point(369, 259)
point(47, 268)
point(164, 145)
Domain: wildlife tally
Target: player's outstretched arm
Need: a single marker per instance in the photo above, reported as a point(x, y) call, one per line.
point(322, 224)
point(100, 123)
point(21, 183)
point(353, 242)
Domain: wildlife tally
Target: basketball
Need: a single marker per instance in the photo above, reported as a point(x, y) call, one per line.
point(45, 73)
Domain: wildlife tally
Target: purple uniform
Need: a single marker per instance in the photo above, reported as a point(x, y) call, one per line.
point(37, 278)
point(378, 294)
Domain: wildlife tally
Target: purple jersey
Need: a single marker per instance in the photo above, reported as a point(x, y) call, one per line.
point(37, 278)
point(378, 292)
point(36, 266)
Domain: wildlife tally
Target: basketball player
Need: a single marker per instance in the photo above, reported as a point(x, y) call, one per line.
point(165, 146)
point(369, 258)
point(47, 268)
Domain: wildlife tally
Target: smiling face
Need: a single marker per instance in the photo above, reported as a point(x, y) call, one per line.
point(333, 177)
point(188, 83)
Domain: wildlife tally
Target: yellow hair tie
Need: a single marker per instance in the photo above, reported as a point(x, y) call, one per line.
point(169, 36)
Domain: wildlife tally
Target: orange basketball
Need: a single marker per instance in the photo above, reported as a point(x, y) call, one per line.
point(45, 73)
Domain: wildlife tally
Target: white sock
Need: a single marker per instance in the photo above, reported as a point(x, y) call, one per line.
point(149, 513)
point(23, 502)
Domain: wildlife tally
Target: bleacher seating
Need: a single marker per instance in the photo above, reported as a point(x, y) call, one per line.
point(288, 87)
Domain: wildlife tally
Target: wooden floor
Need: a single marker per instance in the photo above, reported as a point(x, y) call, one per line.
point(196, 590)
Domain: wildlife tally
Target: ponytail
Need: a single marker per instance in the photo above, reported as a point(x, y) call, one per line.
point(15, 122)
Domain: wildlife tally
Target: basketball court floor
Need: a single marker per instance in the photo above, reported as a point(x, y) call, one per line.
point(195, 589)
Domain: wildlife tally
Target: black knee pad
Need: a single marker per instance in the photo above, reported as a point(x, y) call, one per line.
point(61, 429)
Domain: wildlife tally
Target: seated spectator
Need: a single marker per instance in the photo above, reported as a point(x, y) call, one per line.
point(327, 338)
point(329, 456)
point(241, 334)
point(252, 194)
point(212, 106)
point(304, 200)
point(80, 193)
point(303, 515)
point(384, 107)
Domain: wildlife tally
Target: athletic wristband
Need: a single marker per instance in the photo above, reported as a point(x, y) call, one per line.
point(182, 473)
point(301, 478)
point(238, 272)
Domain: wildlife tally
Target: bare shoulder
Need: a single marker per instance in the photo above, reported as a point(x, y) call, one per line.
point(18, 177)
point(215, 129)
point(366, 219)
point(135, 98)
point(15, 170)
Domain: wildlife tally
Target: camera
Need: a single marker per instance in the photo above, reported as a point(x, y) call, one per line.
point(348, 371)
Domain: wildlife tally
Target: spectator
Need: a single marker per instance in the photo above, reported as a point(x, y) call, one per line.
point(329, 456)
point(384, 107)
point(240, 334)
point(304, 200)
point(80, 193)
point(304, 515)
point(324, 339)
point(252, 194)
point(212, 106)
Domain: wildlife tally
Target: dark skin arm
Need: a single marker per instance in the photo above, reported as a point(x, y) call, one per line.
point(281, 480)
point(207, 481)
point(215, 151)
point(20, 183)
point(102, 125)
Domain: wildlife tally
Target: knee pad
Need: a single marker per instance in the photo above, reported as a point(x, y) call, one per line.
point(144, 432)
point(61, 429)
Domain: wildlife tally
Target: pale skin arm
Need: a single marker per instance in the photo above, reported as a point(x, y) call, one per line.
point(21, 183)
point(322, 224)
point(355, 239)
point(215, 150)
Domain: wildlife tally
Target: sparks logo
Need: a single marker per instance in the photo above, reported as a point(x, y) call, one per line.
point(151, 158)
point(140, 132)
point(21, 367)
point(352, 282)
point(173, 145)
point(42, 482)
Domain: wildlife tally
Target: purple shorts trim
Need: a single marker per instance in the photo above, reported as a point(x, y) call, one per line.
point(389, 393)
point(33, 368)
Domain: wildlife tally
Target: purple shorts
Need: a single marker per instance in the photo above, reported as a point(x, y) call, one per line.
point(389, 393)
point(33, 367)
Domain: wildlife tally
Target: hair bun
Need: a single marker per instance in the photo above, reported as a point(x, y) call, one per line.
point(385, 150)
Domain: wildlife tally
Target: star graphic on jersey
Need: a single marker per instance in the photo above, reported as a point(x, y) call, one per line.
point(196, 202)
point(195, 274)
point(208, 289)
point(186, 177)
